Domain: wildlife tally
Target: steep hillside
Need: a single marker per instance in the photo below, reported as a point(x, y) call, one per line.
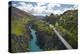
point(19, 30)
point(65, 24)
point(68, 24)
point(17, 13)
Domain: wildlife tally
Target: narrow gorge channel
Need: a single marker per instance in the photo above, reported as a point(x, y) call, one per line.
point(32, 44)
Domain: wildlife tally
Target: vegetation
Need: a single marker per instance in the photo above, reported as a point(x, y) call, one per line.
point(18, 25)
point(41, 26)
point(46, 38)
point(19, 31)
point(52, 18)
point(66, 25)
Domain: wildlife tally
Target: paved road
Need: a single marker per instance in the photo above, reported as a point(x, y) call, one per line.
point(68, 46)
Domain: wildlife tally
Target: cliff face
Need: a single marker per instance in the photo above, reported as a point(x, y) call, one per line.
point(46, 38)
point(19, 30)
point(66, 24)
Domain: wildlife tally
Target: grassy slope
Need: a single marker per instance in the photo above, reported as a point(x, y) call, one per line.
point(46, 36)
point(67, 25)
point(19, 30)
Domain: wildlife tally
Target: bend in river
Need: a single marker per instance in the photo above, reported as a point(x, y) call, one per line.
point(32, 44)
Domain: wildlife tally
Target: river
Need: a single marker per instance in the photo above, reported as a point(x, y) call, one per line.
point(32, 44)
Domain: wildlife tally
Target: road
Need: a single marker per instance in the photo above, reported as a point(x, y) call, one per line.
point(67, 45)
